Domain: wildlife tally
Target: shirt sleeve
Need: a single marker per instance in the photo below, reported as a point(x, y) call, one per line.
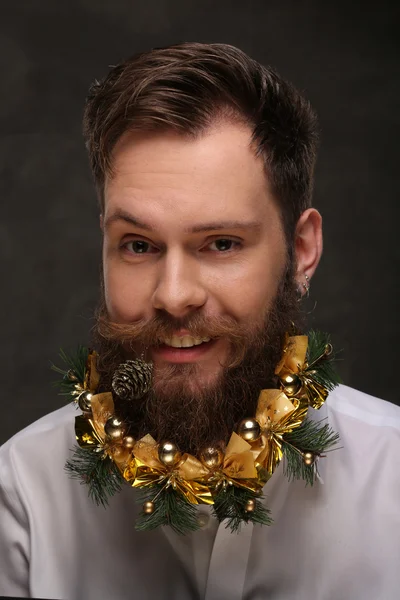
point(14, 531)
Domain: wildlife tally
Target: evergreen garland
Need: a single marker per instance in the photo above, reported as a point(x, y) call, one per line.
point(311, 436)
point(323, 371)
point(95, 469)
point(76, 366)
point(304, 444)
point(230, 504)
point(170, 508)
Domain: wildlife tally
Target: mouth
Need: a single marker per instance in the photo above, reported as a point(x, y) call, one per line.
point(181, 349)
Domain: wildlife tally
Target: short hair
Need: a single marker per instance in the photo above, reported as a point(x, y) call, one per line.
point(186, 88)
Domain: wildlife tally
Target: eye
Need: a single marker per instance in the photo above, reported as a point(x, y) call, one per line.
point(139, 247)
point(223, 245)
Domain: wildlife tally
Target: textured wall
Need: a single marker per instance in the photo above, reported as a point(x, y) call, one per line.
point(346, 61)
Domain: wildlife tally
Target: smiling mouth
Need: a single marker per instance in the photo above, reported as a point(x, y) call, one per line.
point(186, 341)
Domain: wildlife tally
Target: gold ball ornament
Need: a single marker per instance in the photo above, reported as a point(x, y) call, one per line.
point(85, 401)
point(128, 442)
point(249, 430)
point(211, 457)
point(250, 506)
point(114, 428)
point(168, 453)
point(148, 507)
point(309, 458)
point(71, 375)
point(291, 383)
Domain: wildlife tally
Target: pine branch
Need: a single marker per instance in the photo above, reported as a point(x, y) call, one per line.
point(96, 470)
point(75, 363)
point(323, 371)
point(170, 508)
point(312, 436)
point(230, 503)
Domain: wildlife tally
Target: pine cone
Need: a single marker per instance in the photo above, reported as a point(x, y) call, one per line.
point(132, 379)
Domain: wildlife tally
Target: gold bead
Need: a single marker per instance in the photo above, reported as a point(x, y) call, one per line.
point(250, 506)
point(291, 383)
point(128, 442)
point(168, 453)
point(211, 457)
point(148, 507)
point(114, 428)
point(71, 375)
point(249, 430)
point(85, 401)
point(328, 349)
point(309, 458)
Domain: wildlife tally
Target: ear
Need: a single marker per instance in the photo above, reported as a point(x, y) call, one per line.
point(308, 246)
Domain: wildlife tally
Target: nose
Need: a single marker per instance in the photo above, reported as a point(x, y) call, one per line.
point(179, 289)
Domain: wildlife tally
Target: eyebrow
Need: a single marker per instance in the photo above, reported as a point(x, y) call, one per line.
point(121, 215)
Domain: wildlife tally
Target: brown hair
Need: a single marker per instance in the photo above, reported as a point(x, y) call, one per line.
point(186, 88)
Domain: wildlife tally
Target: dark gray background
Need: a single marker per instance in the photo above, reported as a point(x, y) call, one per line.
point(344, 57)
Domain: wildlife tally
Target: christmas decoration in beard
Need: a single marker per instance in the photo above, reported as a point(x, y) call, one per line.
point(231, 476)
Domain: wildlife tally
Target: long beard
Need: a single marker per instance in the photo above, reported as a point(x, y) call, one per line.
point(179, 408)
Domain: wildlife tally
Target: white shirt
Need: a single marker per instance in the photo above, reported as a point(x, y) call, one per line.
point(337, 540)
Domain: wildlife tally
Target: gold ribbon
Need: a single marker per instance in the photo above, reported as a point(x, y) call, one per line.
point(145, 468)
point(276, 415)
point(294, 362)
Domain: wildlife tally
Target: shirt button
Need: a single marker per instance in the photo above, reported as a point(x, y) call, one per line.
point(203, 519)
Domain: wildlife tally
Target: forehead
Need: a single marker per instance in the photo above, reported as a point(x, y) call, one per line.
point(216, 175)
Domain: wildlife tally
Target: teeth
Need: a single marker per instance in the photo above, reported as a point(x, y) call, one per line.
point(187, 341)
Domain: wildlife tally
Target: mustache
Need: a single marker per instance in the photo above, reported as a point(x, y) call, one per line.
point(154, 331)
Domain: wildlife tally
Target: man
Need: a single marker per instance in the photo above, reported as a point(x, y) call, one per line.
point(203, 161)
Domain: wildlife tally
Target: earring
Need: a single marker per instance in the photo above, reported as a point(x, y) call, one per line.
point(306, 287)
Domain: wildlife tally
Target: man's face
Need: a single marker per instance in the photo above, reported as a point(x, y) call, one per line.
point(191, 228)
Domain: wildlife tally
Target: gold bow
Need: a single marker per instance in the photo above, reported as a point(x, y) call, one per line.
point(145, 468)
point(238, 467)
point(294, 362)
point(276, 415)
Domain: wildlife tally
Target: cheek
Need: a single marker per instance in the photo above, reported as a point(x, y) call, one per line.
point(126, 296)
point(251, 287)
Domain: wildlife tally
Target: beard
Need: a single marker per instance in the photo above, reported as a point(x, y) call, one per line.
point(180, 407)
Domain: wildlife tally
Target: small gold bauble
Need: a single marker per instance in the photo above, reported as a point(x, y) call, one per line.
point(309, 458)
point(71, 375)
point(128, 441)
point(168, 453)
point(148, 507)
point(85, 401)
point(250, 506)
point(211, 457)
point(249, 430)
point(292, 383)
point(114, 428)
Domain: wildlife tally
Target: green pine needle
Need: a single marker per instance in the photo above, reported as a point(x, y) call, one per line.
point(230, 504)
point(323, 371)
point(311, 436)
point(170, 508)
point(75, 363)
point(96, 470)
